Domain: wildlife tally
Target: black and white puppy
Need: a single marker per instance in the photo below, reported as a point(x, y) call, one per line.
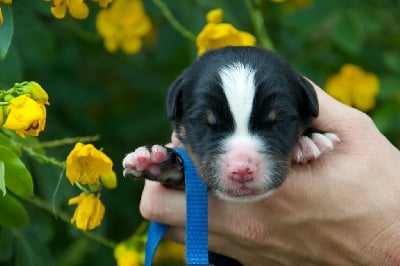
point(243, 115)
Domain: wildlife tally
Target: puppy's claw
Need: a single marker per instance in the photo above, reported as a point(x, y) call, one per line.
point(128, 172)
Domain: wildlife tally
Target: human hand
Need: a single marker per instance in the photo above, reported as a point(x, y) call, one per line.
point(340, 209)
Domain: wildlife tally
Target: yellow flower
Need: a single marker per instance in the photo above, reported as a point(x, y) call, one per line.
point(126, 256)
point(216, 35)
point(1, 17)
point(86, 164)
point(353, 86)
point(77, 8)
point(3, 2)
point(170, 251)
point(25, 116)
point(89, 213)
point(123, 25)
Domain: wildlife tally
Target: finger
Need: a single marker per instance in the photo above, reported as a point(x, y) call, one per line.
point(176, 234)
point(331, 111)
point(168, 206)
point(175, 140)
point(216, 242)
point(162, 204)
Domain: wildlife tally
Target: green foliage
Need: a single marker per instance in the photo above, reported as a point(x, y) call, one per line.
point(16, 176)
point(6, 32)
point(13, 213)
point(121, 98)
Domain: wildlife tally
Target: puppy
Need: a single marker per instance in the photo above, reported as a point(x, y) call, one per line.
point(243, 115)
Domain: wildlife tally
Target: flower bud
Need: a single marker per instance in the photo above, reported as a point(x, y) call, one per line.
point(109, 181)
point(37, 92)
point(215, 16)
point(8, 97)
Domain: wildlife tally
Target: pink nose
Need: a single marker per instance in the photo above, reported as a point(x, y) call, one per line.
point(241, 172)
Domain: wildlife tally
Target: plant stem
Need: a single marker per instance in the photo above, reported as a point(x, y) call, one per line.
point(66, 141)
point(258, 24)
point(30, 150)
point(141, 229)
point(44, 205)
point(42, 158)
point(173, 21)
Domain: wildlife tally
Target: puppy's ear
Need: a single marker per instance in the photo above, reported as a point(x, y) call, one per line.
point(310, 100)
point(174, 99)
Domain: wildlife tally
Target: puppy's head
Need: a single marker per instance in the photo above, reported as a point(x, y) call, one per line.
point(239, 111)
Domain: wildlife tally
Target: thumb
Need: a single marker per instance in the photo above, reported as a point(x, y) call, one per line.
point(331, 111)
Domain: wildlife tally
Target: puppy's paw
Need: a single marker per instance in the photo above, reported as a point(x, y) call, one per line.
point(158, 163)
point(312, 147)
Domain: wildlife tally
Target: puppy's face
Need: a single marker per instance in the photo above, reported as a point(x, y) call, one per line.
point(239, 112)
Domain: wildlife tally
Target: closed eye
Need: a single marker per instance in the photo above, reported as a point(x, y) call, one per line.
point(211, 119)
point(273, 114)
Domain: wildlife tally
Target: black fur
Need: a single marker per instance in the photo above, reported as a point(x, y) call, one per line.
point(280, 89)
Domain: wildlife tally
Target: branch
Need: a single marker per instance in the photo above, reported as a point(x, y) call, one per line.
point(173, 21)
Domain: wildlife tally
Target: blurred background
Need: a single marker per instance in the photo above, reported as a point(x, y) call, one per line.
point(120, 96)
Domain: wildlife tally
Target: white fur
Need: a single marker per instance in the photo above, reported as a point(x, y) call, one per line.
point(239, 88)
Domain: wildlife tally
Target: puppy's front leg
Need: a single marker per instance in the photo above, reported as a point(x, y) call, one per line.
point(157, 163)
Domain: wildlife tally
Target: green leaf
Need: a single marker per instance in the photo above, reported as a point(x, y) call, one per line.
point(392, 60)
point(11, 68)
point(389, 88)
point(10, 144)
point(29, 250)
point(348, 32)
point(17, 177)
point(24, 252)
point(383, 117)
point(37, 35)
point(2, 180)
point(6, 31)
point(75, 252)
point(6, 244)
point(13, 214)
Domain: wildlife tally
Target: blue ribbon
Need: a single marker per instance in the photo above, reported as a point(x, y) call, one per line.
point(196, 219)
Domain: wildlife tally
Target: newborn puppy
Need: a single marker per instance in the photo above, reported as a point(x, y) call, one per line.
point(243, 115)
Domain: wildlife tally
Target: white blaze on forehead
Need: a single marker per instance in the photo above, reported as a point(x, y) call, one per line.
point(239, 88)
